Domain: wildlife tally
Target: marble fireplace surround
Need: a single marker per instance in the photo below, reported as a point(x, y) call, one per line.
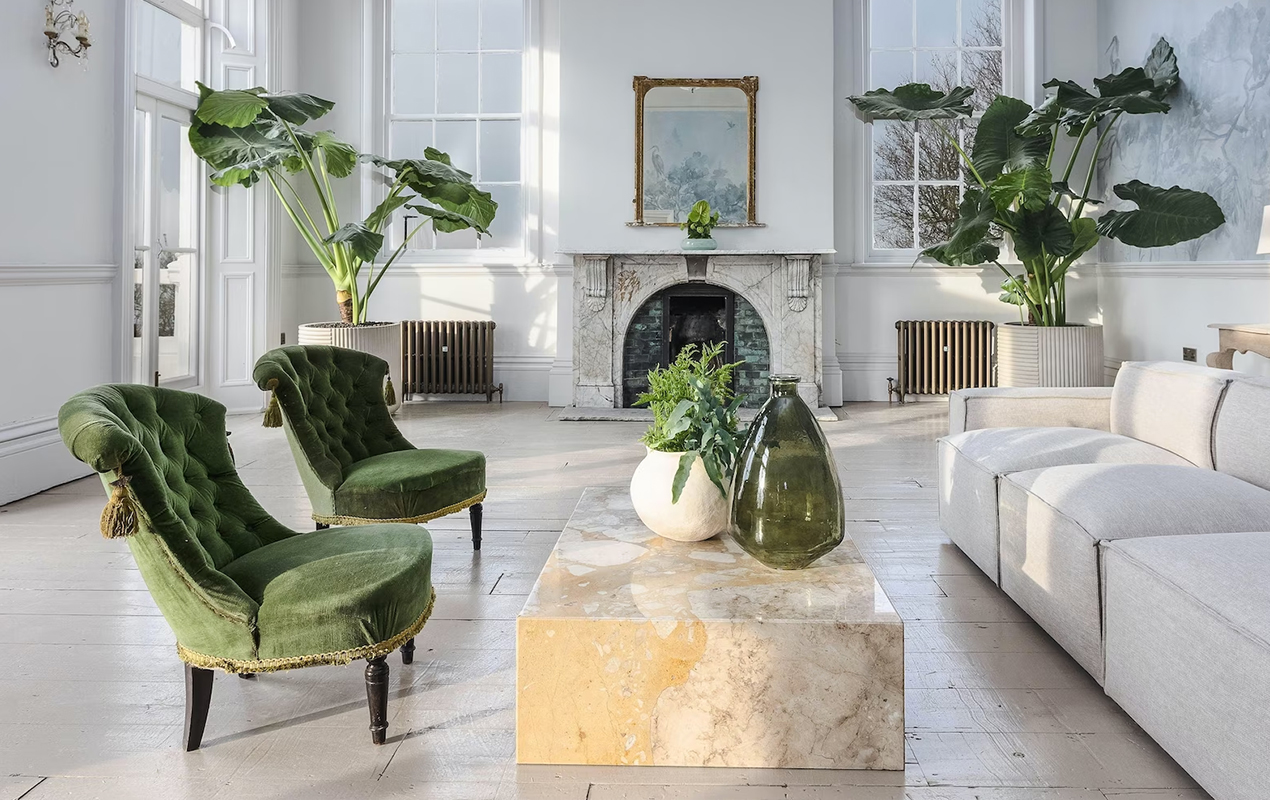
point(609, 287)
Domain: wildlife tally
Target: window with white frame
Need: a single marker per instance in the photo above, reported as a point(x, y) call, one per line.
point(917, 176)
point(455, 71)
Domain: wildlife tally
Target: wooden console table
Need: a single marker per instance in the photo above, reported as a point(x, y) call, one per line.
point(1244, 338)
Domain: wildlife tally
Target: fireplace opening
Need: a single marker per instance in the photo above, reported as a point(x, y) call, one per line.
point(698, 314)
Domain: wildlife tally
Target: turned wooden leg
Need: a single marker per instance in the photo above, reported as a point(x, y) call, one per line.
point(320, 526)
point(198, 696)
point(408, 652)
point(476, 511)
point(377, 697)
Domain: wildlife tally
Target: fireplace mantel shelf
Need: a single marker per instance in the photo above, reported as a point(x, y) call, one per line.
point(680, 252)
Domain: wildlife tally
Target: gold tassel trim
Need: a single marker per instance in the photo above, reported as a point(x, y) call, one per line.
point(120, 518)
point(444, 512)
point(234, 665)
point(390, 396)
point(273, 412)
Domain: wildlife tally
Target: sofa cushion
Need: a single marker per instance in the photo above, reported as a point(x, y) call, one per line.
point(1053, 519)
point(1241, 438)
point(970, 464)
point(1169, 405)
point(1188, 651)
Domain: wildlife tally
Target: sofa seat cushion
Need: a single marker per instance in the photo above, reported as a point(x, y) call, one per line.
point(337, 589)
point(410, 484)
point(1053, 519)
point(971, 463)
point(1188, 651)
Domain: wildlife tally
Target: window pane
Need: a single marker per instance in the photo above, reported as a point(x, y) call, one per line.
point(892, 151)
point(891, 69)
point(982, 70)
point(178, 195)
point(500, 83)
point(414, 26)
point(456, 84)
point(167, 50)
point(409, 139)
point(413, 84)
point(456, 25)
point(500, 150)
point(936, 23)
point(176, 314)
point(508, 228)
point(981, 23)
point(502, 24)
point(936, 213)
point(891, 23)
point(938, 68)
point(939, 161)
point(893, 217)
point(458, 139)
point(459, 240)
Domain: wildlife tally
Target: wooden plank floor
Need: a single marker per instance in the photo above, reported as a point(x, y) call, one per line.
point(91, 692)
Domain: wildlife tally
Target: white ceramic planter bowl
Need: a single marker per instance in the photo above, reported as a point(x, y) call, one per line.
point(381, 339)
point(702, 510)
point(1032, 356)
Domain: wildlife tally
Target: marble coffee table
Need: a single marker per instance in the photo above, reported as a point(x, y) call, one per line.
point(634, 649)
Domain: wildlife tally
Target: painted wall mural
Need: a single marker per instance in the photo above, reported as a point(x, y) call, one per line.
point(1216, 138)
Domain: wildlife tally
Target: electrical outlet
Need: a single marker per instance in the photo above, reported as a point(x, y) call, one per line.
point(1189, 354)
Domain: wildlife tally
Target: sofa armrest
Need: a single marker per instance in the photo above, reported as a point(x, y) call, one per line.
point(970, 409)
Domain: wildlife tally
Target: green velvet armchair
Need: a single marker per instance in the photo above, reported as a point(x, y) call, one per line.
point(356, 466)
point(242, 592)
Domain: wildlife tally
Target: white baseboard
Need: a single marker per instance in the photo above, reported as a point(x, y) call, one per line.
point(33, 458)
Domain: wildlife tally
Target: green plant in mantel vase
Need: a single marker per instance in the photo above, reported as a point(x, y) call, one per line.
point(695, 413)
point(1015, 192)
point(248, 134)
point(700, 224)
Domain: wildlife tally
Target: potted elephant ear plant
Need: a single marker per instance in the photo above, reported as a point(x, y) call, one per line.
point(1016, 196)
point(700, 224)
point(249, 135)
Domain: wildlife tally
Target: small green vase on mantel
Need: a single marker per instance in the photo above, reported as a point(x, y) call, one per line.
point(786, 497)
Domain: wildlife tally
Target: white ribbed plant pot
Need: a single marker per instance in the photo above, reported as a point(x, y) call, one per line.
point(702, 510)
point(1034, 356)
point(381, 339)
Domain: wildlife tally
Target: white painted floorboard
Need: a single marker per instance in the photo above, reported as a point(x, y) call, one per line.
point(91, 691)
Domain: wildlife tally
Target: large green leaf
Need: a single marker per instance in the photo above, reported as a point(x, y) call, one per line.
point(1130, 80)
point(914, 101)
point(341, 158)
point(364, 242)
point(1076, 99)
point(1085, 233)
point(1163, 216)
point(1043, 118)
point(971, 241)
point(999, 146)
point(382, 212)
point(237, 155)
point(1044, 231)
point(982, 252)
point(297, 108)
point(446, 221)
point(1161, 67)
point(233, 108)
point(1031, 187)
point(443, 185)
point(1062, 188)
point(1012, 290)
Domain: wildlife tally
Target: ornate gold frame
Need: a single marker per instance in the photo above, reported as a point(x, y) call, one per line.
point(749, 85)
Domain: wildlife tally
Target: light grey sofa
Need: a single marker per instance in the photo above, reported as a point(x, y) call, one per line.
point(1133, 524)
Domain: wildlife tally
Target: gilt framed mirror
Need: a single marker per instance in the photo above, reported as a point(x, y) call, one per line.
point(695, 140)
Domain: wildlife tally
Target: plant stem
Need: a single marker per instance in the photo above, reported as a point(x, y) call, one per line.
point(315, 244)
point(1071, 162)
point(371, 284)
point(1093, 165)
point(953, 141)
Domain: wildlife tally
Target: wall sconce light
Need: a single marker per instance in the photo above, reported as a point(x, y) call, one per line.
point(60, 17)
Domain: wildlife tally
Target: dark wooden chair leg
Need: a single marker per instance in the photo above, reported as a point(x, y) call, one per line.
point(377, 697)
point(247, 676)
point(198, 697)
point(476, 512)
point(408, 652)
point(320, 526)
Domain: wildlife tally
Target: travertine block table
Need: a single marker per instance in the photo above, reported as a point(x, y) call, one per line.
point(633, 649)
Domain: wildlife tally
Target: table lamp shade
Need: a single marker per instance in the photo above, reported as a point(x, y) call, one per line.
point(1263, 246)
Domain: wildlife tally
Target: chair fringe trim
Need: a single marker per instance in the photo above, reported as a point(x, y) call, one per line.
point(273, 411)
point(120, 518)
point(390, 396)
point(445, 512)
point(238, 666)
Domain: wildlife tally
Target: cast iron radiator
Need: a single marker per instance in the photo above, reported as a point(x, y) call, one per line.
point(448, 357)
point(940, 356)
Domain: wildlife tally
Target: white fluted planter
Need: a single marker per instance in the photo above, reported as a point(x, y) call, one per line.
point(1034, 356)
point(702, 510)
point(381, 339)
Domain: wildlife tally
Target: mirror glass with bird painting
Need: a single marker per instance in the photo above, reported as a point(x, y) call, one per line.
point(695, 140)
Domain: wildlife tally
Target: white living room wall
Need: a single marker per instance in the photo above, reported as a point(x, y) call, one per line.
point(1215, 139)
point(59, 252)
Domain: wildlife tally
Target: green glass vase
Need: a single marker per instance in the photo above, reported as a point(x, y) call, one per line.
point(786, 497)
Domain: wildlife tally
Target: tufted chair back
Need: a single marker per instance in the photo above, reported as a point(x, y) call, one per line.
point(196, 515)
point(333, 408)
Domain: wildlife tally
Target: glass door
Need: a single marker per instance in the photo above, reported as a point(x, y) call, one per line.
point(166, 256)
